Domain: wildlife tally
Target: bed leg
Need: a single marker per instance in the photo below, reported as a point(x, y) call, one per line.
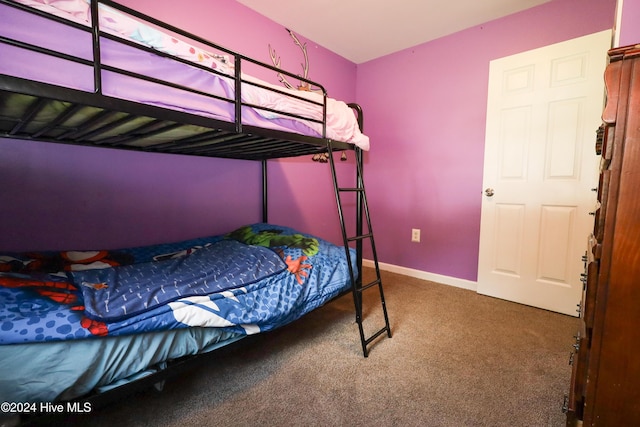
point(265, 194)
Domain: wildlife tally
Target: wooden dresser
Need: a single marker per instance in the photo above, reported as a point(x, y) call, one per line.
point(605, 383)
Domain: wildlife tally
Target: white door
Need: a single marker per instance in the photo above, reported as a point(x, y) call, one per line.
point(540, 167)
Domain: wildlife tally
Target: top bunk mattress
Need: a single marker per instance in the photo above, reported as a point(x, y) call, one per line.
point(178, 75)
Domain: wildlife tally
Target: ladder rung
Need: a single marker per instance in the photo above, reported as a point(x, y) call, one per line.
point(350, 189)
point(376, 335)
point(362, 237)
point(364, 288)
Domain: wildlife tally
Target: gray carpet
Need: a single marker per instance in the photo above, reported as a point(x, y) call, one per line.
point(456, 359)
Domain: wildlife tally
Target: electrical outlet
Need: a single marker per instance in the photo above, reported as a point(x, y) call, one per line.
point(415, 235)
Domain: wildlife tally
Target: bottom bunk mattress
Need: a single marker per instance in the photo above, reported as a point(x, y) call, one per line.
point(79, 322)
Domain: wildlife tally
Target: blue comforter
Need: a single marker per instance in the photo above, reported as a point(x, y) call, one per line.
point(117, 293)
point(252, 280)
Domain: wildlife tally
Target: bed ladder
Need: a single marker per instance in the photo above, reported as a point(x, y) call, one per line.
point(356, 283)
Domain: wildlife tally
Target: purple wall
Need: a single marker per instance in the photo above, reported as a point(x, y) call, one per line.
point(60, 197)
point(63, 197)
point(629, 28)
point(425, 111)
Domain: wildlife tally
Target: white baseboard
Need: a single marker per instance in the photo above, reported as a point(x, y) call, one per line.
point(424, 275)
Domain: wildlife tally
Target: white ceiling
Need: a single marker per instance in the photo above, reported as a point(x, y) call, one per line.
point(361, 30)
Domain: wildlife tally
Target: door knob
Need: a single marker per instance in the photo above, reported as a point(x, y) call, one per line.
point(489, 192)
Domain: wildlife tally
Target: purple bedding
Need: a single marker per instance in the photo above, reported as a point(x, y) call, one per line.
point(20, 25)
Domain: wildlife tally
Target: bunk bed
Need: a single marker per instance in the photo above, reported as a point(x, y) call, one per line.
point(112, 77)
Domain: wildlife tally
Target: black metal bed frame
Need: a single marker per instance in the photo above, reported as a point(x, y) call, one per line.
point(207, 136)
point(216, 138)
